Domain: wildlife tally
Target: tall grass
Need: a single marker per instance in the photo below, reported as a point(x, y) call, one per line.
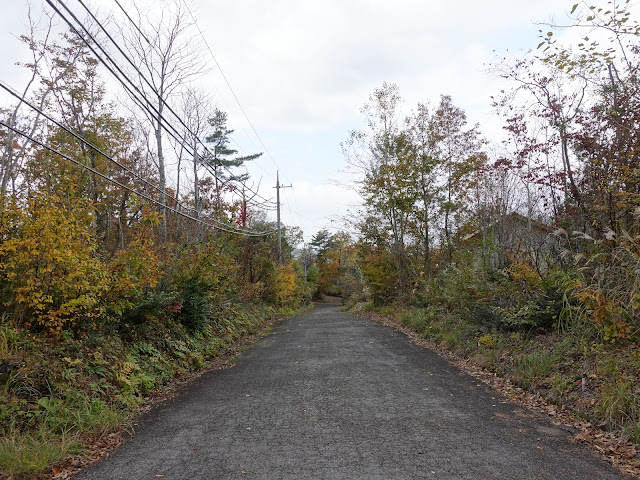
point(30, 454)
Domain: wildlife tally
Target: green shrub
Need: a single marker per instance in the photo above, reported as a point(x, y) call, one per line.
point(487, 317)
point(51, 276)
point(196, 309)
point(151, 307)
point(75, 412)
point(488, 341)
point(10, 338)
point(418, 319)
point(619, 403)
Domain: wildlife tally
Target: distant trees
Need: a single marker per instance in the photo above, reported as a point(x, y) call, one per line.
point(416, 178)
point(322, 242)
point(332, 265)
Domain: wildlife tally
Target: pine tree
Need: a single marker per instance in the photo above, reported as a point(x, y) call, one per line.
point(222, 158)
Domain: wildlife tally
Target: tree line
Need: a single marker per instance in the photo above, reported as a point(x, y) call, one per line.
point(440, 201)
point(104, 214)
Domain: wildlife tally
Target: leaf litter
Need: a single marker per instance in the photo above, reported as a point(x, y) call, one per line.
point(619, 452)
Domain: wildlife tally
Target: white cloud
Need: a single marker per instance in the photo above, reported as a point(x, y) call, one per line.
point(314, 206)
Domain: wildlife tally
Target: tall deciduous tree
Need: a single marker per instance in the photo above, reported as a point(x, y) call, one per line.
point(555, 99)
point(460, 150)
point(426, 173)
point(71, 91)
point(382, 155)
point(162, 48)
point(417, 179)
point(195, 109)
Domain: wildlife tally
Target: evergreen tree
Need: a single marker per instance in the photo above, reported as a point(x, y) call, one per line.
point(221, 158)
point(322, 242)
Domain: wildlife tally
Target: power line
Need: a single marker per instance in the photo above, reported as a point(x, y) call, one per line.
point(147, 105)
point(229, 86)
point(131, 20)
point(78, 137)
point(135, 192)
point(234, 95)
point(291, 212)
point(142, 76)
point(99, 150)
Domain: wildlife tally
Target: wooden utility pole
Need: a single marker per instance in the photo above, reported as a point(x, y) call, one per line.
point(278, 187)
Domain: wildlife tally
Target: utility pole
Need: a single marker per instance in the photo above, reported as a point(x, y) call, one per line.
point(278, 187)
point(304, 259)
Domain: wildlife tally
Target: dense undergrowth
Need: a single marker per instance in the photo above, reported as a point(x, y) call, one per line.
point(87, 332)
point(59, 395)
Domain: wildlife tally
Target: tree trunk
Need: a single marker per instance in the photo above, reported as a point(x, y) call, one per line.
point(427, 246)
point(447, 233)
point(161, 173)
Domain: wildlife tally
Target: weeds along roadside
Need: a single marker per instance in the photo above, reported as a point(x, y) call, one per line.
point(57, 399)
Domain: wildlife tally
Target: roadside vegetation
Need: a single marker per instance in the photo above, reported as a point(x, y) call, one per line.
point(132, 251)
point(62, 396)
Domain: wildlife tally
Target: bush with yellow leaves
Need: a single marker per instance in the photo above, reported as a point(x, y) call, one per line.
point(50, 271)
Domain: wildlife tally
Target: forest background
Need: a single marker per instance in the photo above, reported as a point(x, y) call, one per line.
point(521, 255)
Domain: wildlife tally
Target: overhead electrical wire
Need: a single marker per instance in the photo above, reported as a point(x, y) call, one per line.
point(229, 86)
point(232, 92)
point(147, 105)
point(78, 137)
point(132, 190)
point(137, 27)
point(131, 20)
point(159, 116)
point(261, 206)
point(176, 135)
point(104, 154)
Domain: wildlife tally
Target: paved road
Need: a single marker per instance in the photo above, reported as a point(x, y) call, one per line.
point(331, 396)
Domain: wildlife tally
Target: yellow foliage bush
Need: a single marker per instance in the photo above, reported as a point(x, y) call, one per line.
point(134, 271)
point(286, 285)
point(524, 276)
point(49, 266)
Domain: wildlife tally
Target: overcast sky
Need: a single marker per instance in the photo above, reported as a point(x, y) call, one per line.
point(302, 69)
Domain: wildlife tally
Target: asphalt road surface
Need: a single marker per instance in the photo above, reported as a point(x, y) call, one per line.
point(328, 395)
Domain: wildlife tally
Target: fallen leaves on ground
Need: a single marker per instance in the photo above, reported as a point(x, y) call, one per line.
point(617, 451)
